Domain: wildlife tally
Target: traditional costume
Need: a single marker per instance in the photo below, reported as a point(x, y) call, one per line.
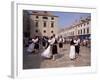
point(72, 50)
point(77, 46)
point(54, 45)
point(47, 52)
point(30, 48)
point(51, 49)
point(60, 43)
point(36, 43)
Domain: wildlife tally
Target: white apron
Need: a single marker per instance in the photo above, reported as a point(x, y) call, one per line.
point(72, 52)
point(47, 53)
point(30, 48)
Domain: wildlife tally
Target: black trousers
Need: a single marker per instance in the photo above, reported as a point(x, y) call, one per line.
point(77, 49)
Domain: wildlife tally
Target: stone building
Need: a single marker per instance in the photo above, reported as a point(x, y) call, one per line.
point(43, 23)
point(81, 28)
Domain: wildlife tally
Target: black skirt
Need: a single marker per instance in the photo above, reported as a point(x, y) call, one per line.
point(54, 49)
point(60, 45)
point(44, 43)
point(36, 46)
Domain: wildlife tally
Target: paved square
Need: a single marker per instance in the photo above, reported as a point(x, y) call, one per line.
point(33, 61)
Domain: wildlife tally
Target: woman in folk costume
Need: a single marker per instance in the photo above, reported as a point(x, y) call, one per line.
point(60, 42)
point(72, 50)
point(30, 48)
point(47, 53)
point(51, 49)
point(36, 43)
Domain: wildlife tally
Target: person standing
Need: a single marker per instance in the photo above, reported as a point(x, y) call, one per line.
point(54, 49)
point(30, 47)
point(77, 45)
point(47, 52)
point(60, 43)
point(44, 42)
point(72, 50)
point(36, 43)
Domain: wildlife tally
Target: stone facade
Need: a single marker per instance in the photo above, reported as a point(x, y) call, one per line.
point(43, 23)
point(79, 28)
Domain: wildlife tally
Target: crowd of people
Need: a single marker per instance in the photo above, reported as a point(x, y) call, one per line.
point(50, 44)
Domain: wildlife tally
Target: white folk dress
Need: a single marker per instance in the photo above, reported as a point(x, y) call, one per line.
point(30, 48)
point(47, 53)
point(72, 52)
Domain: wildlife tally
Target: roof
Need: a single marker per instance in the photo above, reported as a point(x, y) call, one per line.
point(42, 13)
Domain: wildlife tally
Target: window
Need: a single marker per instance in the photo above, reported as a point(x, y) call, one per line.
point(36, 31)
point(44, 24)
point(52, 18)
point(37, 17)
point(87, 30)
point(44, 17)
point(52, 24)
point(51, 31)
point(84, 31)
point(36, 23)
point(44, 31)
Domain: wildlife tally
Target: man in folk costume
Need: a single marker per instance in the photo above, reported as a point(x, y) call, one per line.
point(54, 47)
point(77, 45)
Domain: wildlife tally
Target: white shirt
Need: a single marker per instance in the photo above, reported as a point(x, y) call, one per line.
point(60, 40)
point(35, 40)
point(51, 41)
point(77, 42)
